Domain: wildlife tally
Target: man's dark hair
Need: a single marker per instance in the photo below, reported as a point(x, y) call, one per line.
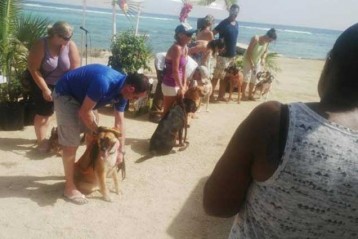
point(272, 34)
point(139, 81)
point(235, 6)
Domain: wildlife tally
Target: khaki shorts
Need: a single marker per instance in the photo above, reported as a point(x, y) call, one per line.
point(69, 125)
point(249, 74)
point(221, 64)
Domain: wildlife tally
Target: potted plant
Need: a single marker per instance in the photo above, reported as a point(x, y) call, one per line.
point(17, 34)
point(131, 53)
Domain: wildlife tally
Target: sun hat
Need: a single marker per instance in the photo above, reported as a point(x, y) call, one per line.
point(185, 28)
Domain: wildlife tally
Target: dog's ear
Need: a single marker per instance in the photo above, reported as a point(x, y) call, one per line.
point(106, 129)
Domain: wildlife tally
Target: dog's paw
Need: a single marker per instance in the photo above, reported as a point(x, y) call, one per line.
point(107, 198)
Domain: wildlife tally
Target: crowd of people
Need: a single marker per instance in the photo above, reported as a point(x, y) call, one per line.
point(283, 174)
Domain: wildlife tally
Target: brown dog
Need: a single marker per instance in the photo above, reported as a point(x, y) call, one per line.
point(99, 162)
point(233, 78)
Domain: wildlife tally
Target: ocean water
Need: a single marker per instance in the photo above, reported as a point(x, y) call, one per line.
point(295, 42)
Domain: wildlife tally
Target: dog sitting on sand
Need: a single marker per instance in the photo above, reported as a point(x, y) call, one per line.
point(174, 124)
point(99, 162)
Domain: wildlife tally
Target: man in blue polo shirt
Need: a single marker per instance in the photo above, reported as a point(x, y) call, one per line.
point(228, 30)
point(76, 95)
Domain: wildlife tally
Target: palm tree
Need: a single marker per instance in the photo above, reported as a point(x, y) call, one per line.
point(17, 34)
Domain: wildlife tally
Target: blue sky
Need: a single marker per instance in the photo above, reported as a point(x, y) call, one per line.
point(328, 14)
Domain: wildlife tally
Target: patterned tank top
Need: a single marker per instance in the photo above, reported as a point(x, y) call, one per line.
point(314, 191)
point(168, 78)
point(54, 67)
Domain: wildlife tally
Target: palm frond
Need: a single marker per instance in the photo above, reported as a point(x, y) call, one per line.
point(9, 10)
point(271, 62)
point(30, 28)
point(131, 10)
point(8, 13)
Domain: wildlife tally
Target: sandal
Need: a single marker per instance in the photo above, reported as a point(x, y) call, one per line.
point(78, 199)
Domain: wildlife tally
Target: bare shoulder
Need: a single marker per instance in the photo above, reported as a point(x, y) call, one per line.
point(255, 38)
point(38, 46)
point(264, 120)
point(266, 111)
point(73, 45)
point(243, 161)
point(265, 147)
point(173, 51)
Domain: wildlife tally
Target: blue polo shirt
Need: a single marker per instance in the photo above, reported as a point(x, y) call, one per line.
point(100, 83)
point(229, 33)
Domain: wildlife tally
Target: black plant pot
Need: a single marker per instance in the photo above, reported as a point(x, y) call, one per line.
point(12, 116)
point(29, 112)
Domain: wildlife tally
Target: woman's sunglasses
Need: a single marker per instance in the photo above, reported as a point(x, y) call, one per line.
point(65, 38)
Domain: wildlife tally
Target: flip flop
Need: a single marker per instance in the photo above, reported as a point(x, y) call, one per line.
point(76, 199)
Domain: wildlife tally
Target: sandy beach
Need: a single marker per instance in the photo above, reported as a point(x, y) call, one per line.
point(161, 197)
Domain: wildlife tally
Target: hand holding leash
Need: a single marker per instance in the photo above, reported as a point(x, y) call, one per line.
point(47, 95)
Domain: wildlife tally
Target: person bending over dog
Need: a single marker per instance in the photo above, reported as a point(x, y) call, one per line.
point(76, 95)
point(254, 56)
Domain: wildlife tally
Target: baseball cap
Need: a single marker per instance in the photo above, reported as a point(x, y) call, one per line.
point(185, 28)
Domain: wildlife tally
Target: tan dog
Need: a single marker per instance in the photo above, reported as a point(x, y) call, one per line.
point(207, 90)
point(99, 162)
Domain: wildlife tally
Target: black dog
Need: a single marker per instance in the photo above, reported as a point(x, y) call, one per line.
point(172, 124)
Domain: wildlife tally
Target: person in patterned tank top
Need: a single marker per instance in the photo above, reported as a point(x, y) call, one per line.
point(291, 171)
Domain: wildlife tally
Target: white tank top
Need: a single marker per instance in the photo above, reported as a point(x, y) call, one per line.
point(314, 192)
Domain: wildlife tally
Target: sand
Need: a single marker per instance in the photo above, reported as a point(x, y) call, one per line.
point(161, 197)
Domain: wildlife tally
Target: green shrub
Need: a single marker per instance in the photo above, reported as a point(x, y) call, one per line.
point(130, 52)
